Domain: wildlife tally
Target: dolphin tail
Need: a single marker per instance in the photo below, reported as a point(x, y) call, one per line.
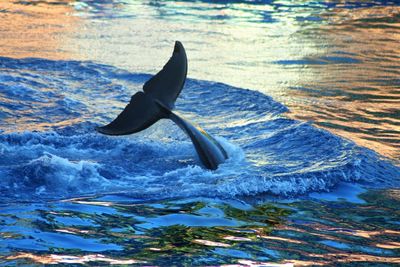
point(211, 153)
point(144, 108)
point(157, 102)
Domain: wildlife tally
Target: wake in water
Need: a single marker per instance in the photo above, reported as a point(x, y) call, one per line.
point(49, 148)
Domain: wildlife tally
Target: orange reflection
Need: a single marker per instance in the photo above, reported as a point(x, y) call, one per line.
point(306, 263)
point(75, 231)
point(26, 124)
point(55, 259)
point(377, 238)
point(389, 245)
point(393, 193)
point(36, 28)
point(281, 239)
point(251, 263)
point(353, 90)
point(353, 257)
point(355, 232)
point(310, 232)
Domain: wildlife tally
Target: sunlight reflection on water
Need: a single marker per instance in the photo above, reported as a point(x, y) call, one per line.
point(332, 63)
point(267, 235)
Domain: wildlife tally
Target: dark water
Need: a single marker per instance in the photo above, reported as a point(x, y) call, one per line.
point(292, 192)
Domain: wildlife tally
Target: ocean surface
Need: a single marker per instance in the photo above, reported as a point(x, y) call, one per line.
point(303, 95)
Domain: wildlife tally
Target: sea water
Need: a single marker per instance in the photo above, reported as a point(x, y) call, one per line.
point(303, 95)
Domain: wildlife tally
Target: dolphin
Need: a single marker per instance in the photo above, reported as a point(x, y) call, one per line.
point(157, 102)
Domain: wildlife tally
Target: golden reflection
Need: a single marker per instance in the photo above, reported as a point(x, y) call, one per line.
point(68, 259)
point(26, 124)
point(341, 257)
point(9, 235)
point(370, 234)
point(36, 28)
point(389, 245)
point(354, 257)
point(74, 231)
point(355, 232)
point(394, 193)
point(353, 92)
point(329, 258)
point(310, 232)
point(297, 263)
point(349, 58)
point(251, 263)
point(282, 239)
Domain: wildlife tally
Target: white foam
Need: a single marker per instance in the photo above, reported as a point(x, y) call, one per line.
point(60, 174)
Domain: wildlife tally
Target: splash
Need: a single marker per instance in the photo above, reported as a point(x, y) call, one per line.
point(49, 147)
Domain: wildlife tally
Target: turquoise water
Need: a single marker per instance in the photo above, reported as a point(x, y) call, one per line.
point(303, 95)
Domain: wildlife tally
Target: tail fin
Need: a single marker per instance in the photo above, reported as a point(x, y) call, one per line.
point(157, 101)
point(166, 85)
point(144, 108)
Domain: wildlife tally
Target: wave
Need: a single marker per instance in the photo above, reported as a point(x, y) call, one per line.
point(49, 148)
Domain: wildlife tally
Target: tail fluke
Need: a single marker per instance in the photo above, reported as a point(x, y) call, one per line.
point(164, 87)
point(139, 114)
point(167, 84)
point(157, 102)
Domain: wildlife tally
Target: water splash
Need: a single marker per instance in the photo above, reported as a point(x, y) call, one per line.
point(52, 151)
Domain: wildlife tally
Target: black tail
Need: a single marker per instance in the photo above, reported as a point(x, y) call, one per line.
point(157, 101)
point(143, 111)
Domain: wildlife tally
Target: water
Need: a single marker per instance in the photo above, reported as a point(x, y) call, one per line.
point(313, 176)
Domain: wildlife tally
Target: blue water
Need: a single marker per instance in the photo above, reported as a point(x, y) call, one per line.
point(53, 151)
point(308, 118)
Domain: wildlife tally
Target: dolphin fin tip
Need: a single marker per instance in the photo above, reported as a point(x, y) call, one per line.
point(178, 47)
